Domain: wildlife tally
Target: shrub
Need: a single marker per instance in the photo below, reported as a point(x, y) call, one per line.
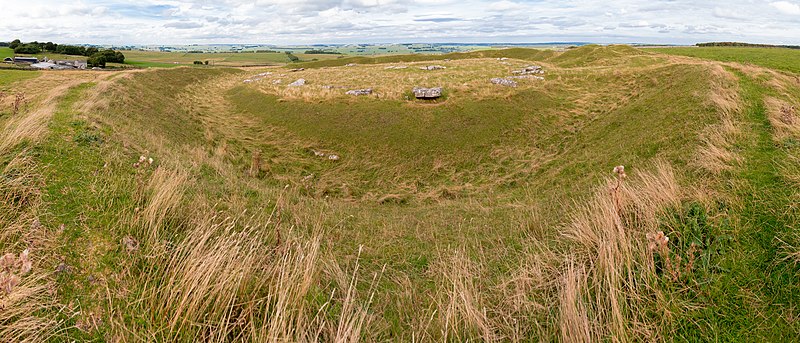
point(27, 49)
point(96, 61)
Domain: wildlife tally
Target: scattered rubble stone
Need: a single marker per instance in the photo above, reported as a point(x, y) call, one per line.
point(298, 83)
point(296, 70)
point(358, 92)
point(427, 93)
point(350, 65)
point(525, 77)
point(504, 82)
point(529, 70)
point(433, 67)
point(333, 157)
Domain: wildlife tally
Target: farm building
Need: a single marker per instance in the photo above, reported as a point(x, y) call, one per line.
point(8, 60)
point(49, 65)
point(26, 60)
point(72, 64)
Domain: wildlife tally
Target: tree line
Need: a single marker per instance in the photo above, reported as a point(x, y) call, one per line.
point(322, 52)
point(750, 45)
point(96, 57)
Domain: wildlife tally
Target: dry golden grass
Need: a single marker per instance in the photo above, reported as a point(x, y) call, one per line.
point(784, 116)
point(228, 283)
point(95, 99)
point(27, 294)
point(42, 94)
point(19, 321)
point(716, 154)
point(612, 260)
point(574, 319)
point(222, 280)
point(166, 188)
point(462, 78)
point(24, 292)
point(31, 125)
point(461, 312)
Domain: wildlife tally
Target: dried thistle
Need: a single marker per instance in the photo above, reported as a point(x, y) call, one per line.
point(693, 249)
point(8, 282)
point(9, 263)
point(19, 101)
point(255, 164)
point(620, 172)
point(130, 243)
point(25, 262)
point(658, 242)
point(143, 161)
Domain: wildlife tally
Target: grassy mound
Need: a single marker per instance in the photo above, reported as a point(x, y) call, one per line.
point(517, 53)
point(187, 204)
point(596, 55)
point(775, 58)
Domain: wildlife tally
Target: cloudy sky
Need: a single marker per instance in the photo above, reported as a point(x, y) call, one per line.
point(373, 21)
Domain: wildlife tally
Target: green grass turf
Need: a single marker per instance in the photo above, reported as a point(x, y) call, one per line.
point(741, 288)
point(774, 58)
point(6, 52)
point(9, 77)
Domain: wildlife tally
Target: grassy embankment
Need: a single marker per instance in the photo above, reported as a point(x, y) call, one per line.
point(172, 59)
point(485, 216)
point(774, 58)
point(146, 59)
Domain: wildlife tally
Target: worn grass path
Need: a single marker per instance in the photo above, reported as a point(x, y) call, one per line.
point(754, 296)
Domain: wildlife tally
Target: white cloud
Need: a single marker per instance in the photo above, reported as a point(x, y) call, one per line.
point(730, 13)
point(786, 7)
point(505, 5)
point(344, 21)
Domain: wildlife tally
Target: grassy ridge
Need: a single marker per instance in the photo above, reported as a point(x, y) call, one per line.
point(582, 56)
point(161, 59)
point(774, 58)
point(486, 218)
point(518, 53)
point(9, 77)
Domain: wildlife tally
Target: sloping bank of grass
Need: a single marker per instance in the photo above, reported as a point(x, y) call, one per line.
point(774, 58)
point(127, 240)
point(162, 252)
point(753, 291)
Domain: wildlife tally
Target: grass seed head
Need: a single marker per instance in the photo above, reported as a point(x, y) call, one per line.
point(620, 171)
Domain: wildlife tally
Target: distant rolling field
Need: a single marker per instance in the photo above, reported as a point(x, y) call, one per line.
point(6, 52)
point(776, 58)
point(165, 59)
